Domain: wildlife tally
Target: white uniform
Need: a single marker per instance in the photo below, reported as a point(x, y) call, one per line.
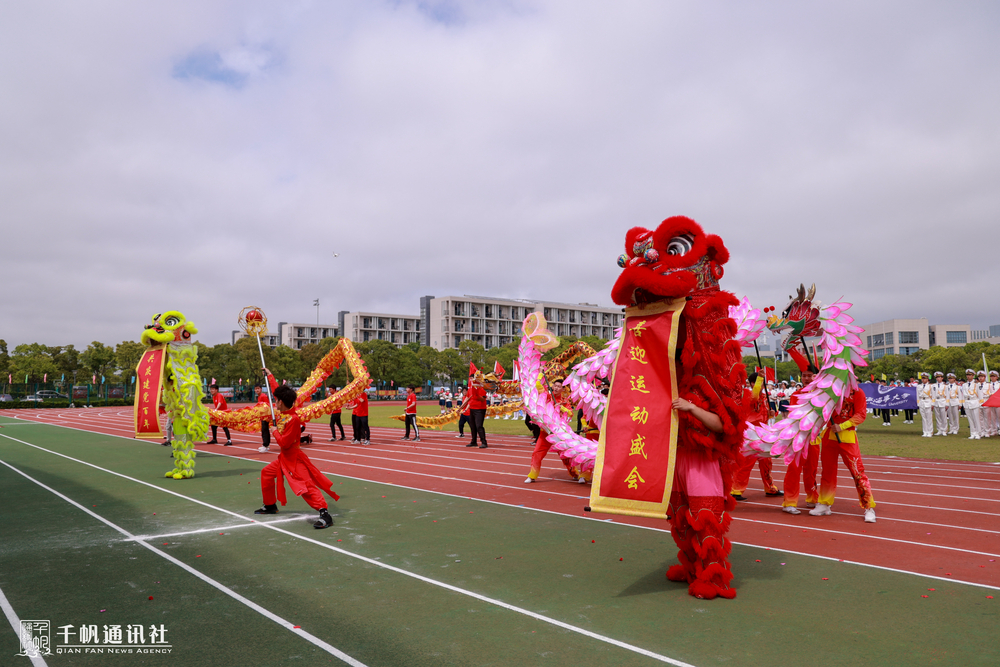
point(925, 402)
point(940, 391)
point(970, 400)
point(991, 416)
point(954, 403)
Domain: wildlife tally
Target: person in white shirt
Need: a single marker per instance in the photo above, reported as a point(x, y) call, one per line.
point(991, 416)
point(971, 402)
point(954, 403)
point(940, 393)
point(925, 402)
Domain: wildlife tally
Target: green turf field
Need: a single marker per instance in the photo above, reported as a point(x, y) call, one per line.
point(409, 577)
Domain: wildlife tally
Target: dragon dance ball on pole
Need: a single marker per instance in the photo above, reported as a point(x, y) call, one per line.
point(253, 321)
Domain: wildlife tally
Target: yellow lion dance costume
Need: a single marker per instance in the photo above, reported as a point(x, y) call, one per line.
point(182, 391)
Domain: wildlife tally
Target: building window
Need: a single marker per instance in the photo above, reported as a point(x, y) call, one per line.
point(878, 340)
point(458, 341)
point(476, 310)
point(908, 350)
point(909, 337)
point(878, 354)
point(489, 310)
point(366, 323)
point(956, 337)
point(888, 338)
point(547, 313)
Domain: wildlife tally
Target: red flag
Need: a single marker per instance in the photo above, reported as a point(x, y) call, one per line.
point(768, 373)
point(472, 369)
point(498, 370)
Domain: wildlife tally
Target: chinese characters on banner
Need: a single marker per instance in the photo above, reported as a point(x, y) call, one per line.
point(148, 385)
point(634, 470)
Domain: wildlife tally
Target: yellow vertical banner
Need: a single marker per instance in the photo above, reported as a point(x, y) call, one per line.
point(634, 470)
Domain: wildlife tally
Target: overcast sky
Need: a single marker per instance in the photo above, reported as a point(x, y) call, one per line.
point(205, 156)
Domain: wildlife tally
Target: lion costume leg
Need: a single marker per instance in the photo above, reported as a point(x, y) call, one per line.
point(699, 523)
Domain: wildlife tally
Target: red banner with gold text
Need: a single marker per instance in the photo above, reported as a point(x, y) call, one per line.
point(634, 470)
point(148, 385)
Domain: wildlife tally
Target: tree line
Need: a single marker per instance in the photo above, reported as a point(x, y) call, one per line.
point(412, 365)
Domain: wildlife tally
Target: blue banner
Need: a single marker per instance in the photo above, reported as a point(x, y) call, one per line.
point(881, 397)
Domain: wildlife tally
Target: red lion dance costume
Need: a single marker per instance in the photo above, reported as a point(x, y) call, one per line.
point(678, 260)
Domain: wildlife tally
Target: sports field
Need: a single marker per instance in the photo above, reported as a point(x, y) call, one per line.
point(442, 556)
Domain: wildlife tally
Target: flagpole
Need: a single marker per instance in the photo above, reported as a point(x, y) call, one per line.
point(267, 385)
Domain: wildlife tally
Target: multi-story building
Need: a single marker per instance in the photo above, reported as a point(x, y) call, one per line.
point(269, 338)
point(899, 336)
point(296, 335)
point(494, 322)
point(950, 335)
point(397, 329)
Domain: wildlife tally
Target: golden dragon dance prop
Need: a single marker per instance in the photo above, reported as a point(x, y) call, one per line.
point(248, 419)
point(554, 368)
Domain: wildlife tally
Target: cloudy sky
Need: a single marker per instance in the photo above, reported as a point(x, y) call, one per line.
point(205, 156)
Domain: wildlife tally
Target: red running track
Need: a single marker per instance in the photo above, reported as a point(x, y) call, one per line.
point(937, 518)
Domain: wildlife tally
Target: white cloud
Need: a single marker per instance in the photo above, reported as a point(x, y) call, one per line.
point(207, 156)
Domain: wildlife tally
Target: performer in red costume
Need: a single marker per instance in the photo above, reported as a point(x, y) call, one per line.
point(411, 415)
point(293, 465)
point(808, 467)
point(219, 401)
point(841, 439)
point(678, 260)
point(757, 413)
point(560, 396)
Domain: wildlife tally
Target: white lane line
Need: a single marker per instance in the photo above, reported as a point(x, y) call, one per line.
point(535, 509)
point(316, 641)
point(370, 561)
point(297, 517)
point(15, 623)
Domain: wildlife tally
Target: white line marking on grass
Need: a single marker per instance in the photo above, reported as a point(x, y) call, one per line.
point(370, 561)
point(15, 623)
point(297, 517)
point(316, 641)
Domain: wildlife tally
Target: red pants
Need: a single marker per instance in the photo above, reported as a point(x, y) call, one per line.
point(269, 481)
point(808, 469)
point(742, 477)
point(698, 524)
point(851, 455)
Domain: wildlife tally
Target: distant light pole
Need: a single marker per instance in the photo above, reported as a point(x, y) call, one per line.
point(316, 303)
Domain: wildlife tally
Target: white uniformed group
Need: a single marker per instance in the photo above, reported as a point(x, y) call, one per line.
point(942, 400)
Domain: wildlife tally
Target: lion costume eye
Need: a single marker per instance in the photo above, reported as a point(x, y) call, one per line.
point(171, 322)
point(680, 245)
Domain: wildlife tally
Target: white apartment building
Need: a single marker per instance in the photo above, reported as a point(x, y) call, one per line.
point(268, 338)
point(494, 322)
point(399, 330)
point(297, 335)
point(901, 336)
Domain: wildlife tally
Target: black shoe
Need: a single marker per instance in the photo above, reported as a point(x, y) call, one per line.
point(738, 496)
point(471, 444)
point(212, 442)
point(774, 495)
point(482, 446)
point(165, 443)
point(267, 509)
point(325, 520)
point(229, 443)
point(341, 437)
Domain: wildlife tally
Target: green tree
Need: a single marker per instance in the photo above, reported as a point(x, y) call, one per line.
point(127, 356)
point(98, 359)
point(472, 352)
point(66, 359)
point(380, 357)
point(4, 358)
point(288, 365)
point(453, 368)
point(246, 347)
point(32, 360)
